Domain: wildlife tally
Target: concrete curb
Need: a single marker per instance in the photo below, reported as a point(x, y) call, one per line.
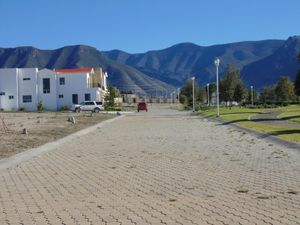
point(257, 134)
point(30, 153)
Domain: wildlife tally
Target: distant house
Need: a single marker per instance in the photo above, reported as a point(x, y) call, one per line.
point(25, 87)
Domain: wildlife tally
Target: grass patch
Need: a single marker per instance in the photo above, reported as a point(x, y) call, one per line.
point(291, 113)
point(240, 116)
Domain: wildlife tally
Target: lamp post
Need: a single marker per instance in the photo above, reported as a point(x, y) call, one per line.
point(217, 63)
point(178, 94)
point(207, 94)
point(193, 79)
point(251, 95)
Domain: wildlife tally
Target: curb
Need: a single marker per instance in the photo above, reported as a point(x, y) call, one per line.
point(257, 134)
point(30, 153)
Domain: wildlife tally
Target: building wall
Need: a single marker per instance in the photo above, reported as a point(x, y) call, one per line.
point(49, 100)
point(75, 83)
point(29, 81)
point(8, 85)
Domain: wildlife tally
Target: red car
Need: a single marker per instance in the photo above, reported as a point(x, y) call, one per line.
point(142, 106)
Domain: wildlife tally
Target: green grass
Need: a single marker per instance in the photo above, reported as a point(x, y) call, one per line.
point(240, 117)
point(290, 113)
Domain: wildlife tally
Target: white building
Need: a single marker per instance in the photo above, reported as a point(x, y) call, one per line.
point(24, 88)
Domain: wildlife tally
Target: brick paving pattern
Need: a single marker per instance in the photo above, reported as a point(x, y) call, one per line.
point(156, 168)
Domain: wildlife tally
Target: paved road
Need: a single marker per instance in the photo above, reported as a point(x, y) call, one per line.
point(160, 167)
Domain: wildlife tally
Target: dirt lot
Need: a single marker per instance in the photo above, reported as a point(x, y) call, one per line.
point(41, 127)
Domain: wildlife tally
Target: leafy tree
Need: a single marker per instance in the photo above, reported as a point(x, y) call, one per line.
point(297, 81)
point(297, 84)
point(186, 94)
point(268, 95)
point(110, 97)
point(285, 90)
point(240, 92)
point(229, 84)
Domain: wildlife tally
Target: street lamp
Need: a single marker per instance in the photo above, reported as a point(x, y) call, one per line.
point(178, 94)
point(193, 79)
point(207, 94)
point(251, 95)
point(217, 63)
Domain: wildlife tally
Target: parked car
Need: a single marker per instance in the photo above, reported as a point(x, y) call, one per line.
point(142, 106)
point(93, 106)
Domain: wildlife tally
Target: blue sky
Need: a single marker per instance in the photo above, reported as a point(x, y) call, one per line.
point(141, 25)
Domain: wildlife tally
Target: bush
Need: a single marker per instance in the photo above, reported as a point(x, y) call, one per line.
point(64, 108)
point(40, 107)
point(22, 109)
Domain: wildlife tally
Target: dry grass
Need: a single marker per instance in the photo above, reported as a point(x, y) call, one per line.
point(41, 127)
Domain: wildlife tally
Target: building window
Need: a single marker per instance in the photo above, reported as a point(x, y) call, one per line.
point(46, 85)
point(61, 96)
point(27, 98)
point(26, 78)
point(62, 81)
point(87, 97)
point(11, 97)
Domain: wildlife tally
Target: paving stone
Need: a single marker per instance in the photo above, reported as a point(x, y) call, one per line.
point(160, 167)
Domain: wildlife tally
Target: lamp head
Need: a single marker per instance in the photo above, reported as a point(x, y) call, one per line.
point(217, 61)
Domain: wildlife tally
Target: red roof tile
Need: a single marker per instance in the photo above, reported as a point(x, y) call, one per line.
point(76, 70)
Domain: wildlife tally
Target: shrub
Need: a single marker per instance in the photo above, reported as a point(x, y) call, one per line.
point(64, 108)
point(40, 107)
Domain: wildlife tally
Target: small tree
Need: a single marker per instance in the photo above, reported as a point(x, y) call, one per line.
point(240, 92)
point(186, 94)
point(297, 81)
point(228, 84)
point(110, 97)
point(40, 107)
point(268, 95)
point(297, 84)
point(285, 90)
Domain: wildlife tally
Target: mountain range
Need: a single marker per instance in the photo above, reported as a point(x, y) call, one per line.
point(261, 63)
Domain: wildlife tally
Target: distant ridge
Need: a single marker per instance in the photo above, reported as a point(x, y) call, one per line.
point(161, 71)
point(177, 63)
point(120, 75)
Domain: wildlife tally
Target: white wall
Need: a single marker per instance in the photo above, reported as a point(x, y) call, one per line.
point(28, 87)
point(75, 83)
point(8, 85)
point(49, 100)
point(13, 84)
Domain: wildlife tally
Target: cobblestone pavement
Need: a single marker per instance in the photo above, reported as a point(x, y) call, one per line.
point(160, 167)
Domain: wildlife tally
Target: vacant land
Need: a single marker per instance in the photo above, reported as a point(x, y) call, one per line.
point(242, 117)
point(41, 128)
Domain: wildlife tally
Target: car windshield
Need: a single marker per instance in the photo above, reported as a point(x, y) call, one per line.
point(99, 103)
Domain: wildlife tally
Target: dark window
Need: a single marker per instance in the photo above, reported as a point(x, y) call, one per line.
point(46, 85)
point(11, 97)
point(75, 98)
point(27, 98)
point(62, 81)
point(61, 96)
point(99, 103)
point(26, 78)
point(87, 97)
point(89, 103)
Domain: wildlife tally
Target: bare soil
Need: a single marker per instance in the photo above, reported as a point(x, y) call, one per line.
point(42, 128)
